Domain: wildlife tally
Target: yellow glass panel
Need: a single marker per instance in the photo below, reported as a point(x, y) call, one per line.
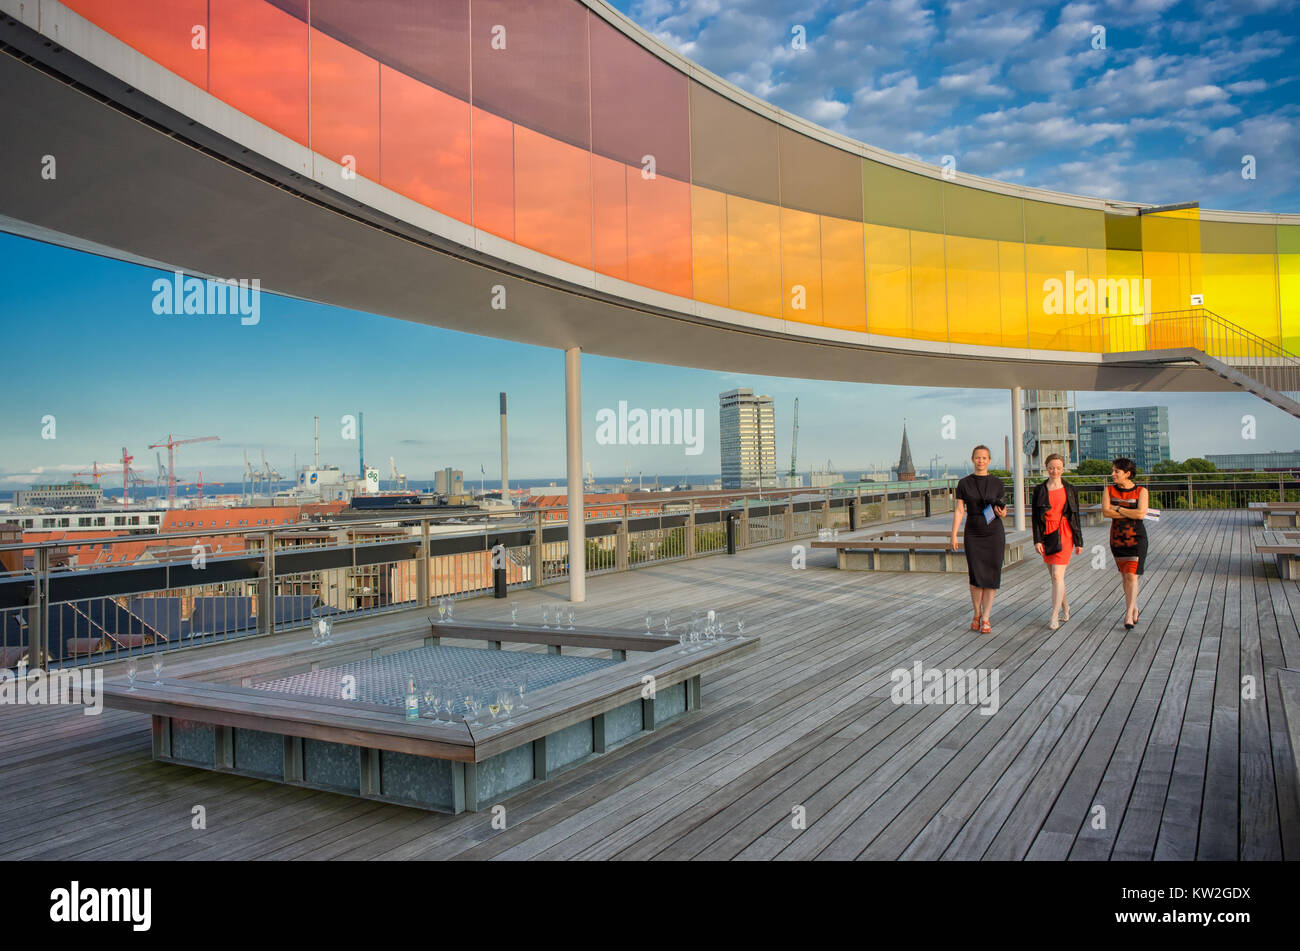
point(709, 245)
point(974, 291)
point(929, 297)
point(1288, 280)
point(801, 266)
point(1242, 288)
point(754, 255)
point(844, 294)
point(1171, 258)
point(1011, 287)
point(889, 281)
point(1120, 300)
point(1056, 287)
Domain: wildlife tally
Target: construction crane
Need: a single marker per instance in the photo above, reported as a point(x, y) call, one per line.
point(794, 442)
point(249, 476)
point(171, 445)
point(399, 478)
point(94, 473)
point(126, 477)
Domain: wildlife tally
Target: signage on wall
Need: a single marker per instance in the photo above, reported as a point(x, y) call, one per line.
point(1198, 300)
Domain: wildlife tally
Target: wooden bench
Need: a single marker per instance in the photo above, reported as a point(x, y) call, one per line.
point(1278, 514)
point(1090, 515)
point(1286, 546)
point(372, 751)
point(910, 550)
point(1288, 682)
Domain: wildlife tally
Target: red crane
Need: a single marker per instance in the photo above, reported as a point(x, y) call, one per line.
point(94, 473)
point(171, 445)
point(126, 477)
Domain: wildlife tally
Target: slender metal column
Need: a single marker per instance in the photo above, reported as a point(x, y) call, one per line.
point(1018, 458)
point(577, 509)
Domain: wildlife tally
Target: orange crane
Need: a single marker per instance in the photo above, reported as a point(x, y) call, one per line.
point(94, 473)
point(171, 445)
point(126, 477)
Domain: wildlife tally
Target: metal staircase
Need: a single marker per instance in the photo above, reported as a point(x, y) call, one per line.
point(1200, 336)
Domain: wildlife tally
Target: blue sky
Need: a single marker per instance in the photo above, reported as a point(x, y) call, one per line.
point(1163, 113)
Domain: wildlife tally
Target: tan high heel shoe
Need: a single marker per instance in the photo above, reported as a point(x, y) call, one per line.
point(1065, 611)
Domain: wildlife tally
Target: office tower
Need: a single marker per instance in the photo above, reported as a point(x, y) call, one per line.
point(1140, 433)
point(747, 433)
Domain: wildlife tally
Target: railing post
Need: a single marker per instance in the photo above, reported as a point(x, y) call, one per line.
point(743, 541)
point(422, 566)
point(266, 588)
point(855, 509)
point(1190, 504)
point(620, 543)
point(1281, 488)
point(535, 560)
point(826, 509)
point(38, 618)
point(690, 530)
point(788, 521)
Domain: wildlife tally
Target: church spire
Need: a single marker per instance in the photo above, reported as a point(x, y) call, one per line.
point(906, 471)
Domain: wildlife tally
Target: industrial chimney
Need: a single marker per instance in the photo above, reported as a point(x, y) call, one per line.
point(505, 457)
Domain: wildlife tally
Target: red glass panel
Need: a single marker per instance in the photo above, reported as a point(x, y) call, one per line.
point(163, 30)
point(424, 144)
point(344, 105)
point(553, 197)
point(659, 233)
point(258, 63)
point(609, 190)
point(494, 174)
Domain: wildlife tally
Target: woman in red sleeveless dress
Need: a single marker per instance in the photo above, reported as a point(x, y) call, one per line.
point(1125, 504)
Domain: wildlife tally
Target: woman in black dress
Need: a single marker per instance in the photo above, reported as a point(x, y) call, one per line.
point(981, 500)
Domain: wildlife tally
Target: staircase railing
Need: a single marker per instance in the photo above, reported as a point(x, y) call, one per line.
point(1202, 329)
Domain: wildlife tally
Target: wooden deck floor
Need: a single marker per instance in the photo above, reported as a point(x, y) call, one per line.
point(1151, 726)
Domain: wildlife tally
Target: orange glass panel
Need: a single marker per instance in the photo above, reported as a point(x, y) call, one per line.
point(258, 63)
point(929, 297)
point(974, 291)
point(552, 197)
point(609, 193)
point(1011, 288)
point(424, 144)
point(709, 245)
point(163, 30)
point(659, 233)
point(889, 281)
point(1057, 280)
point(844, 292)
point(754, 256)
point(1171, 246)
point(344, 105)
point(494, 174)
point(801, 266)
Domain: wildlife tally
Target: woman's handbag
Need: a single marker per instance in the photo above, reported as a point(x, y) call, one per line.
point(1052, 542)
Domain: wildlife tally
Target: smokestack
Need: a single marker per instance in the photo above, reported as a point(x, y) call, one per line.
point(315, 455)
point(361, 443)
point(1006, 452)
point(505, 456)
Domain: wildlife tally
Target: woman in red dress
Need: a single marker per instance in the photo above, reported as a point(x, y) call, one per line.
point(1126, 505)
point(1057, 532)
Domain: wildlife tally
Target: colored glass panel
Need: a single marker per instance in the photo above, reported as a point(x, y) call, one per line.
point(1288, 283)
point(1171, 252)
point(974, 291)
point(709, 245)
point(732, 149)
point(344, 105)
point(844, 294)
point(889, 281)
point(609, 209)
point(659, 233)
point(754, 256)
point(494, 174)
point(891, 196)
point(425, 39)
point(974, 213)
point(818, 177)
point(1057, 285)
point(1064, 225)
point(258, 63)
point(1011, 288)
point(1242, 288)
point(639, 105)
point(553, 197)
point(929, 287)
point(801, 266)
point(424, 144)
point(162, 30)
point(530, 64)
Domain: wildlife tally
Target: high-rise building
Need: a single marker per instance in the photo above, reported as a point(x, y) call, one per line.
point(1047, 428)
point(747, 433)
point(1140, 433)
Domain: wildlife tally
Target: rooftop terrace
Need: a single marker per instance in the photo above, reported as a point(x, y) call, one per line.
point(1151, 726)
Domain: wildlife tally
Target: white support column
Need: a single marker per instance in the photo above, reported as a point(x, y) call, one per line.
point(577, 507)
point(1018, 458)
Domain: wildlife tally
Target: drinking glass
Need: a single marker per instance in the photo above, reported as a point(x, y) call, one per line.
point(430, 700)
point(684, 638)
point(649, 620)
point(521, 686)
point(740, 628)
point(442, 609)
point(448, 702)
point(546, 616)
point(695, 634)
point(472, 705)
point(507, 700)
point(157, 671)
point(494, 708)
point(451, 609)
point(514, 613)
point(132, 668)
point(315, 632)
point(326, 631)
point(571, 616)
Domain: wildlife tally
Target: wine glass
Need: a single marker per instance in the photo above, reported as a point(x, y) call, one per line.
point(430, 700)
point(514, 613)
point(740, 628)
point(507, 700)
point(326, 631)
point(649, 620)
point(442, 609)
point(684, 638)
point(546, 616)
point(472, 704)
point(448, 701)
point(451, 609)
point(494, 708)
point(571, 616)
point(157, 671)
point(132, 668)
point(316, 628)
point(696, 625)
point(521, 686)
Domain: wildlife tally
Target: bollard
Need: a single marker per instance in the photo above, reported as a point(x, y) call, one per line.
point(731, 533)
point(499, 579)
point(927, 503)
